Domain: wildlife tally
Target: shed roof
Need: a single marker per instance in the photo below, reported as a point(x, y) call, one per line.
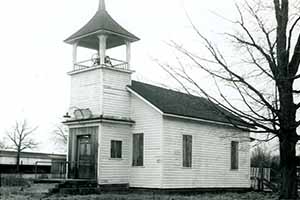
point(101, 22)
point(181, 104)
point(5, 153)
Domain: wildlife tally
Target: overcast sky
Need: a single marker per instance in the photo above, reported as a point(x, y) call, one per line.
point(34, 60)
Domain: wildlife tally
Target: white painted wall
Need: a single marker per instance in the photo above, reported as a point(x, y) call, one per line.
point(149, 122)
point(210, 156)
point(86, 90)
point(113, 170)
point(116, 100)
point(102, 90)
point(162, 139)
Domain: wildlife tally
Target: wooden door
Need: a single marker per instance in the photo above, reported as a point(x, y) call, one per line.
point(85, 157)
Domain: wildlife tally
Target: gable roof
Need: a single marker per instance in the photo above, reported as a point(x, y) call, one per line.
point(181, 104)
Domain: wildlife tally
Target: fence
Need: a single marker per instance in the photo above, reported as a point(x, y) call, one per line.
point(67, 169)
point(58, 170)
point(261, 179)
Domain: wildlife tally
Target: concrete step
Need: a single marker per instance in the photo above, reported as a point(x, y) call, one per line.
point(79, 191)
point(82, 187)
point(76, 187)
point(114, 187)
point(78, 184)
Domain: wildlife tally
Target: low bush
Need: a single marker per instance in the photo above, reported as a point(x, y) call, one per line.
point(14, 180)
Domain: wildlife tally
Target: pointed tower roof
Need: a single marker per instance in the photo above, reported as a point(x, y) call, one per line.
point(101, 23)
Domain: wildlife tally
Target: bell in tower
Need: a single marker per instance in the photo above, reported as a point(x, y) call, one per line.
point(99, 95)
point(98, 83)
point(102, 32)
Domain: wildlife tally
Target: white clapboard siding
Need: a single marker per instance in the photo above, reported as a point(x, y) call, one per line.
point(86, 90)
point(113, 170)
point(147, 121)
point(102, 90)
point(116, 100)
point(210, 156)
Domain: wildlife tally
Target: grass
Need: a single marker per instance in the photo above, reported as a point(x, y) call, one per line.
point(35, 191)
point(14, 180)
point(38, 191)
point(207, 196)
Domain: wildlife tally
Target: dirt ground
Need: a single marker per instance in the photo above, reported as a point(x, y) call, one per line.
point(39, 191)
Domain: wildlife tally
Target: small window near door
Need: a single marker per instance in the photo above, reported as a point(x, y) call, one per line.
point(234, 155)
point(115, 149)
point(138, 149)
point(187, 145)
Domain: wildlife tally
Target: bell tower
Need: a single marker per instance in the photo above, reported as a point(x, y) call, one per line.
point(98, 83)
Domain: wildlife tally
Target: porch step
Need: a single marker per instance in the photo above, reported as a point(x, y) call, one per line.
point(78, 183)
point(80, 187)
point(79, 191)
point(114, 187)
point(48, 181)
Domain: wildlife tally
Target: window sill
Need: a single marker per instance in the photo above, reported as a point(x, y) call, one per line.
point(138, 166)
point(119, 159)
point(186, 167)
point(234, 170)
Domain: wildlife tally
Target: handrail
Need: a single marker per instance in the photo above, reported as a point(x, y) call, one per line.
point(114, 59)
point(64, 167)
point(111, 63)
point(83, 61)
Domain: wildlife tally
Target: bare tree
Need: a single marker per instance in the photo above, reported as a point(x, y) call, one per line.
point(261, 157)
point(262, 76)
point(2, 145)
point(60, 135)
point(20, 139)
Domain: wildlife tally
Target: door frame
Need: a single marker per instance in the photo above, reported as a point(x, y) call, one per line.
point(77, 157)
point(74, 134)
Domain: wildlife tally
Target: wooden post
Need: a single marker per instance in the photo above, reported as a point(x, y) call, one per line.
point(35, 170)
point(128, 54)
point(68, 156)
point(75, 45)
point(259, 179)
point(102, 48)
point(262, 179)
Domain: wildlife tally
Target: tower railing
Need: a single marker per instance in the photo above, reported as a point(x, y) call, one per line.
point(94, 62)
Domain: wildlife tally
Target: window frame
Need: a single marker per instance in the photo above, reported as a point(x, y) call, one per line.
point(138, 160)
point(187, 152)
point(114, 154)
point(234, 155)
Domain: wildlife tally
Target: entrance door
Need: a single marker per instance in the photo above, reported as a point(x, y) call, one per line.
point(85, 157)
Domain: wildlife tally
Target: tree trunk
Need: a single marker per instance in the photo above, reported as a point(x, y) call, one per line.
point(288, 168)
point(288, 137)
point(18, 161)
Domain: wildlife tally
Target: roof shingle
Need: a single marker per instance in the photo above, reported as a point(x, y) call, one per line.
point(101, 21)
point(178, 103)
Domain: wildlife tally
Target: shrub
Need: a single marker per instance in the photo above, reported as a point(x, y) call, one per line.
point(261, 157)
point(14, 180)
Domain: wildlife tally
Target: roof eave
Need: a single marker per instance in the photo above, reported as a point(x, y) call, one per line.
point(206, 121)
point(182, 116)
point(72, 40)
